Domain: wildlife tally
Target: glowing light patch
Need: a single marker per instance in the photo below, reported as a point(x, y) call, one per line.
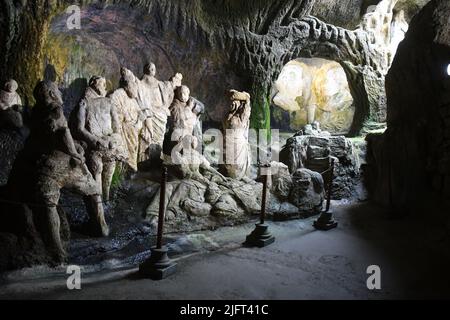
point(448, 69)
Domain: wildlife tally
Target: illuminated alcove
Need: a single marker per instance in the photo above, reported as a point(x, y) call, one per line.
point(313, 89)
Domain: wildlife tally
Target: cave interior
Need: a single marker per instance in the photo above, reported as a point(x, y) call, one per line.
point(341, 109)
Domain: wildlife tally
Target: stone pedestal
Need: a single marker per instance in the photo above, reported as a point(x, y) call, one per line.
point(325, 221)
point(260, 237)
point(158, 266)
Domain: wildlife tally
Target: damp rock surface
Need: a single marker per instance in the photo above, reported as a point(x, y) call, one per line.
point(313, 151)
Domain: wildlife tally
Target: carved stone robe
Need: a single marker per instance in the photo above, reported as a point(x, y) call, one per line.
point(128, 112)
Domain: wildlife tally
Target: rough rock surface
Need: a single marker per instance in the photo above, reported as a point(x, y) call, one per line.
point(313, 152)
point(408, 165)
point(11, 142)
point(248, 41)
point(308, 191)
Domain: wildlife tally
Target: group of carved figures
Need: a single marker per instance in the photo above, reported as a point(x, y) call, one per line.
point(143, 120)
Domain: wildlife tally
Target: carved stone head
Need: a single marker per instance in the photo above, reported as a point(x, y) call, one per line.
point(176, 80)
point(98, 84)
point(182, 93)
point(11, 86)
point(129, 83)
point(150, 69)
point(47, 93)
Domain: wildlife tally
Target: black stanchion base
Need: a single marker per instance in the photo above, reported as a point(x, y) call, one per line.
point(260, 237)
point(325, 221)
point(158, 266)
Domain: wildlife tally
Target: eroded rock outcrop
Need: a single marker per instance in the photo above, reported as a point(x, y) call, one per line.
point(315, 89)
point(312, 149)
point(408, 164)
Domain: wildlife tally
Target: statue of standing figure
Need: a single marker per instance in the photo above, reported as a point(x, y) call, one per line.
point(184, 120)
point(130, 115)
point(10, 105)
point(155, 97)
point(97, 125)
point(52, 160)
point(236, 125)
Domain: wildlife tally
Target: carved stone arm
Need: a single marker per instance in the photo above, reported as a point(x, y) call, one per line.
point(115, 122)
point(90, 139)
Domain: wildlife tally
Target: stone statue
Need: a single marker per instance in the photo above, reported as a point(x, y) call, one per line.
point(184, 119)
point(52, 160)
point(235, 130)
point(381, 28)
point(97, 124)
point(199, 110)
point(311, 113)
point(9, 98)
point(10, 105)
point(192, 164)
point(145, 101)
point(130, 115)
point(156, 97)
point(182, 114)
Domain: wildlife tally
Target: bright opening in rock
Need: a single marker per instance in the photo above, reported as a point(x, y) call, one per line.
point(313, 90)
point(448, 69)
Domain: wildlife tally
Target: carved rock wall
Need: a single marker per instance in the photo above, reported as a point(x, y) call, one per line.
point(409, 163)
point(316, 83)
point(251, 41)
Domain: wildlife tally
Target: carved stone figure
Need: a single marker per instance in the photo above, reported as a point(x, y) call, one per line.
point(182, 115)
point(130, 115)
point(52, 160)
point(9, 98)
point(198, 109)
point(192, 164)
point(10, 105)
point(97, 124)
point(145, 101)
point(184, 119)
point(235, 130)
point(155, 97)
point(311, 113)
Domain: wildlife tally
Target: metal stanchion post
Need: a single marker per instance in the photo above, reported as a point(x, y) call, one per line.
point(325, 220)
point(260, 236)
point(159, 266)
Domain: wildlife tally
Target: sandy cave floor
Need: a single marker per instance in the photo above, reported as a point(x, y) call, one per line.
point(302, 264)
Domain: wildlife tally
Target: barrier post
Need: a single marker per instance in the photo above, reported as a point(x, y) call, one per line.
point(158, 266)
